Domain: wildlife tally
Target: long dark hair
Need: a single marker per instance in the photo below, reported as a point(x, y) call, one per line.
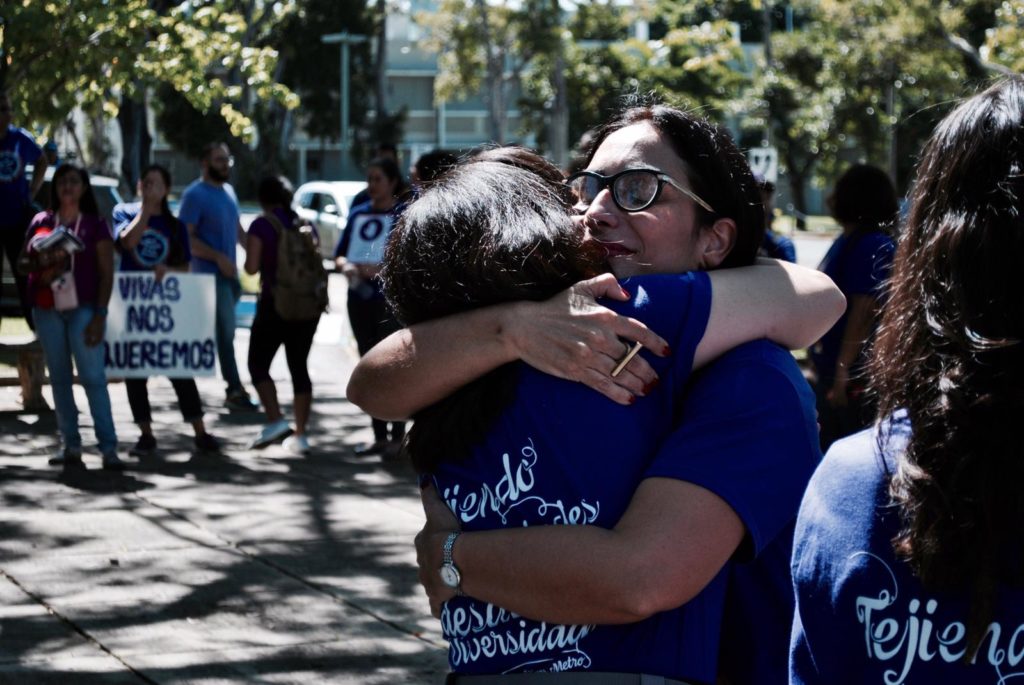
point(496, 228)
point(865, 198)
point(86, 203)
point(949, 353)
point(716, 170)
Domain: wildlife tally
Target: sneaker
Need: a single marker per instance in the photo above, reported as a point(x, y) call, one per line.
point(112, 462)
point(62, 457)
point(145, 447)
point(206, 443)
point(239, 400)
point(271, 433)
point(296, 444)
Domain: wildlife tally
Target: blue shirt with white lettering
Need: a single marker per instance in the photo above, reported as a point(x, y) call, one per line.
point(749, 434)
point(213, 210)
point(563, 454)
point(18, 151)
point(164, 240)
point(862, 615)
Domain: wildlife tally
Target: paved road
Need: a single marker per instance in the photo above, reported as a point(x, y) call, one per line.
point(258, 567)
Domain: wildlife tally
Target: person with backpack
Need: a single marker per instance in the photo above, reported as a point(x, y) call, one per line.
point(293, 294)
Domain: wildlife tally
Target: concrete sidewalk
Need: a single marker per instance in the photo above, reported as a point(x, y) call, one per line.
point(255, 567)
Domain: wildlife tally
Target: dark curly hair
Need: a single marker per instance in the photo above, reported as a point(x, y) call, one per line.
point(496, 228)
point(949, 353)
point(716, 169)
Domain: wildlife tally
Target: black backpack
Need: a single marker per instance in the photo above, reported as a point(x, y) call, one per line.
point(300, 293)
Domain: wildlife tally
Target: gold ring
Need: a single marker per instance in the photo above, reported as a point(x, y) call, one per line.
point(630, 353)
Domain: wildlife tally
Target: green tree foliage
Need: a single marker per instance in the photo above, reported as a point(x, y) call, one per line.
point(87, 53)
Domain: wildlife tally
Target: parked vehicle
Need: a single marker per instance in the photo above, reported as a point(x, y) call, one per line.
point(107, 195)
point(325, 204)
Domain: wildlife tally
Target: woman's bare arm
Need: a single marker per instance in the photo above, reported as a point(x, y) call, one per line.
point(568, 336)
point(573, 337)
point(554, 573)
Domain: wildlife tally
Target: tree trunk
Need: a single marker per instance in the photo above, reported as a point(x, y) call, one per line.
point(494, 83)
point(136, 141)
point(381, 66)
point(558, 131)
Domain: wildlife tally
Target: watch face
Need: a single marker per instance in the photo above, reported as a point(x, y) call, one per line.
point(450, 576)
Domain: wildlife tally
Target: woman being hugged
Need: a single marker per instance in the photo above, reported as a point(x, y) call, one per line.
point(909, 546)
point(151, 238)
point(69, 288)
point(269, 329)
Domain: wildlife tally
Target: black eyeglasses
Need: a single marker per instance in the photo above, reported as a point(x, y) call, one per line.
point(633, 190)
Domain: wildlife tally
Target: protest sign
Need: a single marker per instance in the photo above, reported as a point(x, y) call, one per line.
point(369, 236)
point(163, 328)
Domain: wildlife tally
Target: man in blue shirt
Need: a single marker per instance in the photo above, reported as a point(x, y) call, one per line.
point(18, 150)
point(209, 209)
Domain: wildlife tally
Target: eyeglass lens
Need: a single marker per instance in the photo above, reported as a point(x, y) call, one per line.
point(631, 190)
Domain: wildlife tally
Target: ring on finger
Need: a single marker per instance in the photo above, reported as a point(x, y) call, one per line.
point(630, 353)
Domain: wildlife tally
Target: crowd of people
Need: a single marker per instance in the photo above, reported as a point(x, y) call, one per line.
point(610, 350)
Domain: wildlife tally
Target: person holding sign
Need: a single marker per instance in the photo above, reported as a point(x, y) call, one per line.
point(358, 255)
point(69, 291)
point(150, 238)
point(274, 327)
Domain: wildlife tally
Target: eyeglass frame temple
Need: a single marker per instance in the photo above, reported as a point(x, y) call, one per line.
point(686, 191)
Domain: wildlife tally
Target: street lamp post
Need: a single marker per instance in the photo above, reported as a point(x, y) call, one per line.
point(345, 39)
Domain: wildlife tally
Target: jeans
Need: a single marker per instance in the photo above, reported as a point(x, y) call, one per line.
point(62, 336)
point(229, 290)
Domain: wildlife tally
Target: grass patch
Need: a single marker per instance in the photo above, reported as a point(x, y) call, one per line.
point(14, 326)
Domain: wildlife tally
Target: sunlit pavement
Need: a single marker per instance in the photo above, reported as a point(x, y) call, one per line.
point(252, 567)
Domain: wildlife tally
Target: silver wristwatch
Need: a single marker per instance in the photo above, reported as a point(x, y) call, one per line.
point(449, 573)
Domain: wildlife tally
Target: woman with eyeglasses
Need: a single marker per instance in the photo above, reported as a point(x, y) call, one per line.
point(69, 283)
point(709, 525)
point(496, 228)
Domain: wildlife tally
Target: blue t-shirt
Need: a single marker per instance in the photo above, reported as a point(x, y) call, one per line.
point(749, 434)
point(362, 242)
point(563, 454)
point(163, 241)
point(778, 246)
point(214, 212)
point(18, 150)
point(859, 264)
point(862, 615)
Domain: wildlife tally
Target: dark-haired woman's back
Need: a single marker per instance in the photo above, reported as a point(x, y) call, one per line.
point(908, 558)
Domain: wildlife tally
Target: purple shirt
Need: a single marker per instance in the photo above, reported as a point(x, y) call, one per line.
point(262, 228)
point(91, 230)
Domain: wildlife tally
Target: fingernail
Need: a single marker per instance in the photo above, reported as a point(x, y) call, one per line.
point(625, 293)
point(631, 400)
point(650, 386)
point(667, 350)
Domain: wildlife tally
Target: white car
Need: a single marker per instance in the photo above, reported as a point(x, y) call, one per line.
point(325, 204)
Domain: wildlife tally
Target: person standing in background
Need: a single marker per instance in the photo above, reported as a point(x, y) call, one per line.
point(269, 329)
point(151, 239)
point(209, 209)
point(775, 245)
point(70, 290)
point(358, 255)
point(18, 150)
point(864, 203)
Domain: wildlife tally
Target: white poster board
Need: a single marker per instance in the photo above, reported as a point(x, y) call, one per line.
point(764, 161)
point(369, 236)
point(161, 329)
